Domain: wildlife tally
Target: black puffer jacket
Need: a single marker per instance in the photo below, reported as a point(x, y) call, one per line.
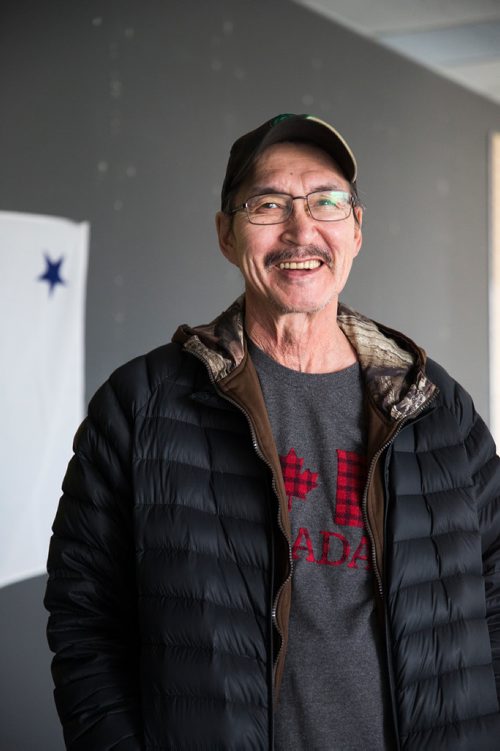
point(170, 549)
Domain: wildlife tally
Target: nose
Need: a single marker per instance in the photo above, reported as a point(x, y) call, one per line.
point(300, 227)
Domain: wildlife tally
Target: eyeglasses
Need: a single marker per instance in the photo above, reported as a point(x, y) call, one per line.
point(275, 208)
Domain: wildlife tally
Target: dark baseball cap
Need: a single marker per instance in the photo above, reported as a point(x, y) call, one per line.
point(286, 127)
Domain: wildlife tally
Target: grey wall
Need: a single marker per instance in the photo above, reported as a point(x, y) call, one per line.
point(115, 111)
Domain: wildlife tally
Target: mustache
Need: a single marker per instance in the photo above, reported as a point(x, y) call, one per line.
point(298, 253)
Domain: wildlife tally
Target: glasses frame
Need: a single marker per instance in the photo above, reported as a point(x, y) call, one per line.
point(244, 207)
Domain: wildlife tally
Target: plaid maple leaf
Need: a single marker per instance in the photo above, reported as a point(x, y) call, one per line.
point(351, 478)
point(298, 483)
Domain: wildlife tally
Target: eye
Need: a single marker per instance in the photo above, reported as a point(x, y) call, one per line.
point(329, 200)
point(268, 203)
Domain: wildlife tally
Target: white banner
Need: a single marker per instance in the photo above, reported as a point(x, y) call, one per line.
point(43, 269)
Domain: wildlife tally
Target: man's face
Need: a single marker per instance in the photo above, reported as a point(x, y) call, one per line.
point(261, 250)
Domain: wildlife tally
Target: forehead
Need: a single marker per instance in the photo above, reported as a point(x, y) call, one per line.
point(284, 162)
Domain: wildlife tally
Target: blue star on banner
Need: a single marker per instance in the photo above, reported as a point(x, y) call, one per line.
point(52, 273)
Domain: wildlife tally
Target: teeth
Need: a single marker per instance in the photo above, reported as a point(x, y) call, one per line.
point(300, 265)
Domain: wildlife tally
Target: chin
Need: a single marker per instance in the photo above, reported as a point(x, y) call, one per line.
point(303, 306)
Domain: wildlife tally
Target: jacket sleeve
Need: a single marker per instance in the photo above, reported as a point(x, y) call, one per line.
point(90, 592)
point(485, 466)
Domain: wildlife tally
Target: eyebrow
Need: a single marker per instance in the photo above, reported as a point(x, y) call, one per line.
point(263, 190)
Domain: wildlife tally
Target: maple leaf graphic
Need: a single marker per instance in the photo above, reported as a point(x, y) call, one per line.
point(298, 483)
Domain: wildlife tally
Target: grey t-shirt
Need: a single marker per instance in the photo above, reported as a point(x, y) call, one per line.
point(333, 690)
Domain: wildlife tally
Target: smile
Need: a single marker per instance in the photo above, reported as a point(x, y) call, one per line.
point(313, 264)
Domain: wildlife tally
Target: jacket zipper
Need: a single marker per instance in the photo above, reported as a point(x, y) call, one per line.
point(376, 456)
point(369, 476)
point(261, 456)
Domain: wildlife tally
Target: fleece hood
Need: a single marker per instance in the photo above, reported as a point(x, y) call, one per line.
point(393, 366)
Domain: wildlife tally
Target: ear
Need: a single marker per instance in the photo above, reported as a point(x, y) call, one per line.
point(358, 234)
point(224, 226)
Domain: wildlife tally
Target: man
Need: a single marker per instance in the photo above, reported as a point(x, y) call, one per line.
point(282, 530)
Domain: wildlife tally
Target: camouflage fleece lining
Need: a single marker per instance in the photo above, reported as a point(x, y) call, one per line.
point(394, 375)
point(220, 344)
point(388, 368)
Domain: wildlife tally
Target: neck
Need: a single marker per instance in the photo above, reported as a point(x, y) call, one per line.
point(307, 342)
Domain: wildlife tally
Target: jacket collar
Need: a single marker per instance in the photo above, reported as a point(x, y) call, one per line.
point(393, 366)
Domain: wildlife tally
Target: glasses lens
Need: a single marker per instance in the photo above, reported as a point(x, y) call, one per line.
point(329, 205)
point(269, 209)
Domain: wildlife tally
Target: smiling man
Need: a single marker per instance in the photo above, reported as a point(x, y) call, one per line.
point(294, 240)
point(281, 530)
